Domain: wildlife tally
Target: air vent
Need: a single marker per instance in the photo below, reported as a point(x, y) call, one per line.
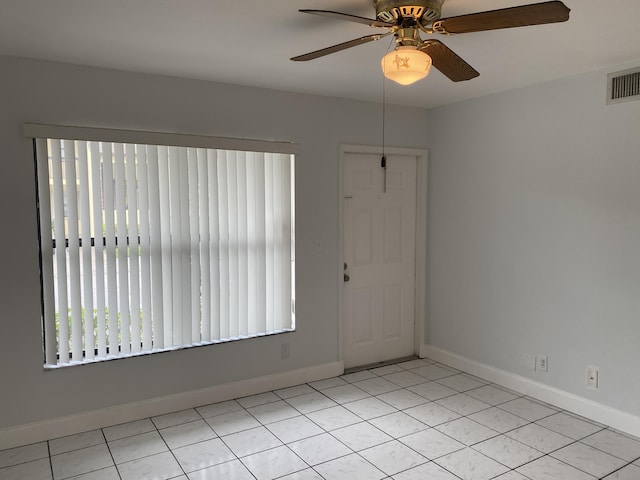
point(623, 86)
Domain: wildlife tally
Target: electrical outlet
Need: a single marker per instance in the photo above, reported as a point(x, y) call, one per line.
point(592, 377)
point(542, 365)
point(284, 351)
point(529, 361)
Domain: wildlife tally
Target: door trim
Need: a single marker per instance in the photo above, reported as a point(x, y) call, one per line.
point(420, 311)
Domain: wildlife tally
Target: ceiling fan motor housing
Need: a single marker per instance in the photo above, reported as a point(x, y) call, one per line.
point(424, 10)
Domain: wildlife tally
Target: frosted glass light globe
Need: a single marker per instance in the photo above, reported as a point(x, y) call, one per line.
point(406, 65)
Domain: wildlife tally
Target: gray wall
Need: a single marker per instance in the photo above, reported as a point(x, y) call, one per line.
point(534, 203)
point(43, 92)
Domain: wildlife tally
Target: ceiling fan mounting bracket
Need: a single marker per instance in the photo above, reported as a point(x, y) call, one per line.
point(420, 10)
point(439, 27)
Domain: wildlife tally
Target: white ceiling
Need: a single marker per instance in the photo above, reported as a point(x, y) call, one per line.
point(250, 42)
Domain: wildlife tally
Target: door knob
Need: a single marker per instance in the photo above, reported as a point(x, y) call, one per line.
point(346, 277)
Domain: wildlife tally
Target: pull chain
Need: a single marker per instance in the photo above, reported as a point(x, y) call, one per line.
point(383, 160)
point(383, 164)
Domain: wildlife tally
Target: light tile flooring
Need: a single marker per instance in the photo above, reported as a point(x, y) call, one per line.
point(416, 420)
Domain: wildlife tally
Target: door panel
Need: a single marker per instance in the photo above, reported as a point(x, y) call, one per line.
point(379, 249)
point(362, 321)
point(392, 329)
point(363, 237)
point(392, 246)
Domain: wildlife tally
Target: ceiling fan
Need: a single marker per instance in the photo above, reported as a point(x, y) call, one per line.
point(413, 56)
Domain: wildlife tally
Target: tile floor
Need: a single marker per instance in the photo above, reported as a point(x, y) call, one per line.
point(415, 420)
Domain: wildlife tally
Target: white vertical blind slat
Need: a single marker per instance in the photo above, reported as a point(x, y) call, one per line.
point(184, 242)
point(194, 244)
point(242, 244)
point(291, 237)
point(278, 242)
point(46, 248)
point(205, 240)
point(232, 208)
point(60, 250)
point(98, 249)
point(145, 248)
point(133, 250)
point(223, 215)
point(155, 248)
point(177, 251)
point(285, 195)
point(166, 251)
point(261, 248)
point(122, 248)
point(73, 249)
point(110, 246)
point(84, 208)
point(269, 215)
point(214, 243)
point(252, 243)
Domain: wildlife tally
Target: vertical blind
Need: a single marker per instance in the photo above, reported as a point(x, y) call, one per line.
point(147, 248)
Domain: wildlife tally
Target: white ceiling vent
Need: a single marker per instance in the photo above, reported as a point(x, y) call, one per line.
point(623, 86)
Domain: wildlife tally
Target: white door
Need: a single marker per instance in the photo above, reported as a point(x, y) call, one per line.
point(379, 252)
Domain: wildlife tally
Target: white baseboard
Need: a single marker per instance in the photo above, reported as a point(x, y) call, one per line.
point(62, 426)
point(599, 412)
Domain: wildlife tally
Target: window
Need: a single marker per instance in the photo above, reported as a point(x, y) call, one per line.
point(162, 244)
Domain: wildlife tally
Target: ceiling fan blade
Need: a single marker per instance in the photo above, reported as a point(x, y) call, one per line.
point(350, 18)
point(341, 46)
point(448, 62)
point(535, 14)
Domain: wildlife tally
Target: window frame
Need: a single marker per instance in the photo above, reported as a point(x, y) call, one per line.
point(35, 131)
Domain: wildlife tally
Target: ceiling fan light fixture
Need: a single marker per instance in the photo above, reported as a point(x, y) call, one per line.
point(406, 65)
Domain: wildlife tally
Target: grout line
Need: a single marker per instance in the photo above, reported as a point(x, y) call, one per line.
point(111, 454)
point(632, 462)
point(51, 459)
point(169, 448)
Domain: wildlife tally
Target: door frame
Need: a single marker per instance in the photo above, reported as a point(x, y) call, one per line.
point(420, 296)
